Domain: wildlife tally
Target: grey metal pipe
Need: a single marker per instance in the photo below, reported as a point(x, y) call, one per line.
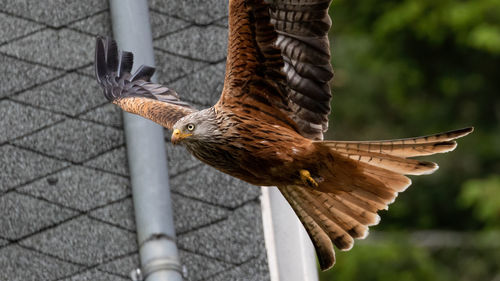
point(147, 156)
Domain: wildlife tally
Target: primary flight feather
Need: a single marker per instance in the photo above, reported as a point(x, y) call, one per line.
point(267, 127)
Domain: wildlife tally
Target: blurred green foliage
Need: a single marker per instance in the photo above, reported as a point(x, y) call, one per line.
point(387, 261)
point(395, 258)
point(483, 195)
point(415, 67)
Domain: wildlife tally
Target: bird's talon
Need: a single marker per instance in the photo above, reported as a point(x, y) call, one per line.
point(306, 178)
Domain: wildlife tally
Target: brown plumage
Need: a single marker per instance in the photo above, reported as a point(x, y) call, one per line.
point(267, 127)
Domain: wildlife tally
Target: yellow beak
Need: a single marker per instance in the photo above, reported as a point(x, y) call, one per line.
point(177, 136)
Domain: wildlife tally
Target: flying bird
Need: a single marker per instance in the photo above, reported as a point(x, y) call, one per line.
point(267, 127)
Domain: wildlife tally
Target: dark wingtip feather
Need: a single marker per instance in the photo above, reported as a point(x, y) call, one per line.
point(112, 70)
point(143, 73)
point(100, 59)
point(108, 65)
point(126, 63)
point(111, 54)
point(463, 132)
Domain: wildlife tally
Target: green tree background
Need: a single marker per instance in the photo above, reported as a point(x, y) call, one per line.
point(415, 67)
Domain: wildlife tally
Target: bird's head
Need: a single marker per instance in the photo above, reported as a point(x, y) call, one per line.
point(197, 126)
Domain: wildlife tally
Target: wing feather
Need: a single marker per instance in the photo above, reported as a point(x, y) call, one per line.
point(284, 46)
point(320, 239)
point(135, 93)
point(302, 27)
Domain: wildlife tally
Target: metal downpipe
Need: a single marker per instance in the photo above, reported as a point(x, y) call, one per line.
point(147, 156)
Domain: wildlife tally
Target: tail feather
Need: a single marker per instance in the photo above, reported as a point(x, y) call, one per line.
point(389, 179)
point(360, 214)
point(408, 147)
point(321, 241)
point(328, 220)
point(352, 199)
point(344, 174)
point(349, 228)
point(328, 206)
point(356, 180)
point(393, 163)
point(340, 237)
point(373, 198)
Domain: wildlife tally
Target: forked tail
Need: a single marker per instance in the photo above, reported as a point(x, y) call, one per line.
point(358, 180)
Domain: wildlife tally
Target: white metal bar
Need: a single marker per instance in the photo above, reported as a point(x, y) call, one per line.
point(290, 253)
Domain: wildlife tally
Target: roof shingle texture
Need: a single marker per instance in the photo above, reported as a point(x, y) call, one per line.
point(65, 198)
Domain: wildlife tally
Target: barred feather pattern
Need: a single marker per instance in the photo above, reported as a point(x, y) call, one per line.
point(284, 47)
point(356, 180)
point(302, 27)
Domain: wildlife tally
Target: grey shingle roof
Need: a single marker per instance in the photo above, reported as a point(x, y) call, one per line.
point(192, 42)
point(65, 200)
point(109, 115)
point(83, 241)
point(184, 161)
point(214, 187)
point(120, 213)
point(113, 161)
point(220, 239)
point(55, 13)
point(20, 264)
point(204, 86)
point(192, 10)
point(18, 120)
point(63, 49)
point(98, 24)
point(12, 27)
point(201, 267)
point(19, 75)
point(79, 188)
point(19, 166)
point(188, 214)
point(171, 67)
point(253, 270)
point(73, 140)
point(94, 275)
point(28, 215)
point(54, 95)
point(162, 25)
point(117, 266)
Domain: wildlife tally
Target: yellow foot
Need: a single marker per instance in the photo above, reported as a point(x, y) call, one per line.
point(306, 178)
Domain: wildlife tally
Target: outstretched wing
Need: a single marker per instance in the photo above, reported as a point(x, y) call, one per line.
point(302, 27)
point(278, 62)
point(135, 93)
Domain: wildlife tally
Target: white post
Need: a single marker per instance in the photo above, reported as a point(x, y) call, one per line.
point(290, 253)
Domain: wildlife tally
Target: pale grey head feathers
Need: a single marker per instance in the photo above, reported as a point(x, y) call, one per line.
point(201, 124)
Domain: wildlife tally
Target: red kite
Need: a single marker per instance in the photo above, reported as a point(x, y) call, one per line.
point(267, 127)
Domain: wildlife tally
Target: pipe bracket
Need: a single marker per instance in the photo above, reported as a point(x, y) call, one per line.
point(140, 274)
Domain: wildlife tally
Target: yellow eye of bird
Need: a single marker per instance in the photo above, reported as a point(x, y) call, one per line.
point(190, 127)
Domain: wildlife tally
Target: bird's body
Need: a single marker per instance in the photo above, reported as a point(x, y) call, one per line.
point(267, 127)
point(262, 153)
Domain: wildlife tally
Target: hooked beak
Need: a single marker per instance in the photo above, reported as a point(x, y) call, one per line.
point(177, 136)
